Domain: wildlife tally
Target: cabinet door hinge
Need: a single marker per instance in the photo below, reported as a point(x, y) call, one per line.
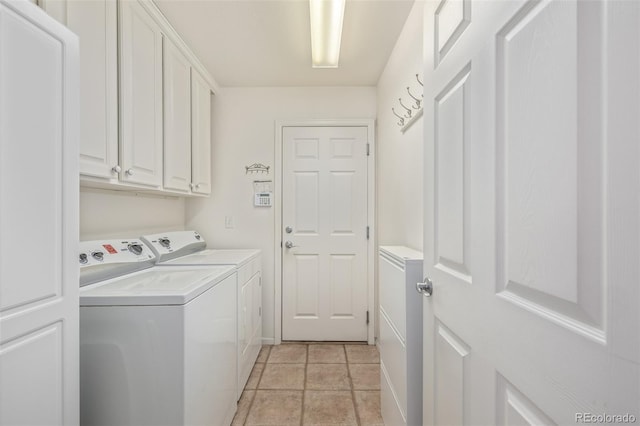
point(367, 317)
point(368, 152)
point(367, 232)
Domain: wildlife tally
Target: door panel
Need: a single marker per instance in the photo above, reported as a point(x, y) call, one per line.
point(531, 211)
point(325, 204)
point(39, 196)
point(451, 146)
point(550, 230)
point(451, 368)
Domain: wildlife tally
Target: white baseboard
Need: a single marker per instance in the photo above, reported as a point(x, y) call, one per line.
point(268, 341)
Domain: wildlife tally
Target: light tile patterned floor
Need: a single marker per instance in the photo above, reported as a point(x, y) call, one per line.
point(313, 384)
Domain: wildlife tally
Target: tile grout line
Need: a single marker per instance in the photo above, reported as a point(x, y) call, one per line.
point(255, 392)
point(304, 385)
point(353, 395)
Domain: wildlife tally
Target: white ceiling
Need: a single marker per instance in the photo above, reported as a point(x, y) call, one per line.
point(267, 42)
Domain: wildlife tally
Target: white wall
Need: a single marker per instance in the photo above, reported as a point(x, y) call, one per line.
point(115, 214)
point(243, 134)
point(400, 162)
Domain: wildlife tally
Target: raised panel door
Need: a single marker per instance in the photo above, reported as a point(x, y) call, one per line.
point(201, 135)
point(531, 211)
point(324, 271)
point(95, 23)
point(177, 118)
point(140, 95)
point(38, 195)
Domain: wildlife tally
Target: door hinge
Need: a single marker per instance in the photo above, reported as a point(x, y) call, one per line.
point(367, 232)
point(367, 317)
point(367, 149)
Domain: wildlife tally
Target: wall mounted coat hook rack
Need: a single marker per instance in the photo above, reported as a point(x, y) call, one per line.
point(257, 168)
point(401, 122)
point(418, 100)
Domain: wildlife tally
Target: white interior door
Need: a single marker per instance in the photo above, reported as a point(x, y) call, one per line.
point(38, 213)
point(531, 211)
point(324, 217)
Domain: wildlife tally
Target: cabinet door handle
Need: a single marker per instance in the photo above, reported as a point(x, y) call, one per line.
point(116, 169)
point(130, 172)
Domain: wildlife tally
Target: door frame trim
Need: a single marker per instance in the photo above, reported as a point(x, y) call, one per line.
point(371, 203)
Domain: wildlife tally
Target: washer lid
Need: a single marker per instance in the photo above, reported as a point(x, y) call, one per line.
point(156, 286)
point(216, 257)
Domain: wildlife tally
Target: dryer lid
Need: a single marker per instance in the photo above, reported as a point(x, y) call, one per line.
point(217, 257)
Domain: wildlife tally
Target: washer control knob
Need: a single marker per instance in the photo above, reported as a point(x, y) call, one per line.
point(135, 249)
point(83, 258)
point(164, 242)
point(98, 255)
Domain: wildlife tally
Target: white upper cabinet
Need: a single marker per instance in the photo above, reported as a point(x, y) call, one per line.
point(140, 95)
point(156, 135)
point(201, 134)
point(177, 118)
point(95, 23)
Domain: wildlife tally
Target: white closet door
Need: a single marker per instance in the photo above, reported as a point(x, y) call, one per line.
point(38, 218)
point(532, 219)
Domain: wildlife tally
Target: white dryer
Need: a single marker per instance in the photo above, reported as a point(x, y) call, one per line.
point(157, 346)
point(171, 247)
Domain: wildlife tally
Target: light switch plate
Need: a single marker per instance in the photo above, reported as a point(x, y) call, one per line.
point(229, 222)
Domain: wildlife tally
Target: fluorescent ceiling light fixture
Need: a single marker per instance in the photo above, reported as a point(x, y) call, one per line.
point(326, 32)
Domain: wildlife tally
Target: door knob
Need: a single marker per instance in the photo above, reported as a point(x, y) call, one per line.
point(289, 245)
point(425, 287)
point(288, 229)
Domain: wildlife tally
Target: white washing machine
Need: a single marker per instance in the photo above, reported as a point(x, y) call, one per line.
point(170, 248)
point(158, 345)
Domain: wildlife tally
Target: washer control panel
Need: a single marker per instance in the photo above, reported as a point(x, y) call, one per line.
point(173, 244)
point(103, 252)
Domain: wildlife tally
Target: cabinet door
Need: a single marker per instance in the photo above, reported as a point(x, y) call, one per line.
point(256, 318)
point(177, 118)
point(95, 23)
point(39, 199)
point(201, 134)
point(140, 95)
